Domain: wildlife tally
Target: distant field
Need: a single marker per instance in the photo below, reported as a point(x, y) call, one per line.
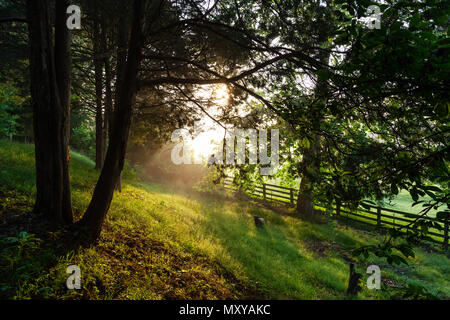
point(402, 202)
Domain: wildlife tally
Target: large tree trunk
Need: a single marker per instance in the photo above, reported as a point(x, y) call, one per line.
point(50, 111)
point(63, 63)
point(115, 156)
point(108, 98)
point(122, 42)
point(98, 69)
point(310, 165)
point(107, 120)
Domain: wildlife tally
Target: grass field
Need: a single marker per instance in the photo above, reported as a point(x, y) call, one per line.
point(159, 243)
point(401, 202)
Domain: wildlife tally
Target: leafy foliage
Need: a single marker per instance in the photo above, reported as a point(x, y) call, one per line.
point(10, 101)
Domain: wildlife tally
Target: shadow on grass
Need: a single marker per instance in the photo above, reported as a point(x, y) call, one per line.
point(276, 258)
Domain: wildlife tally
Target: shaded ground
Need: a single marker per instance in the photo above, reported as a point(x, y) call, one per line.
point(134, 262)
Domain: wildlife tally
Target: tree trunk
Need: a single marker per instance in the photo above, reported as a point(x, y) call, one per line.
point(120, 68)
point(353, 281)
point(108, 98)
point(115, 156)
point(305, 206)
point(63, 63)
point(98, 69)
point(107, 86)
point(310, 165)
point(50, 110)
point(119, 183)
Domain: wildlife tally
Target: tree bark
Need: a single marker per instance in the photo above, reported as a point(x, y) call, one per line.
point(108, 98)
point(122, 42)
point(99, 131)
point(353, 281)
point(50, 110)
point(309, 167)
point(115, 156)
point(107, 120)
point(63, 63)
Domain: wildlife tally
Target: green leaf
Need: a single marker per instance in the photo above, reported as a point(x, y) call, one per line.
point(306, 143)
point(442, 20)
point(415, 20)
point(323, 74)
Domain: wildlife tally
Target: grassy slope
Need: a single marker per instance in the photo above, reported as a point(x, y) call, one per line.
point(163, 244)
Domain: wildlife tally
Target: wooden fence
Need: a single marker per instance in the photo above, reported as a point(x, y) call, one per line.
point(375, 216)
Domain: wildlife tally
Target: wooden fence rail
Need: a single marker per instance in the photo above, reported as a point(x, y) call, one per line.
point(375, 215)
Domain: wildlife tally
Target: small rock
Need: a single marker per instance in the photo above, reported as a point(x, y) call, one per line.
point(259, 222)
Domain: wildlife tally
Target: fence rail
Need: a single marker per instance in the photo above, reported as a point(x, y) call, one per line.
point(375, 215)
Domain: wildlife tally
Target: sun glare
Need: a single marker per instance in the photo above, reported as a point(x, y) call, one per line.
point(221, 94)
point(205, 144)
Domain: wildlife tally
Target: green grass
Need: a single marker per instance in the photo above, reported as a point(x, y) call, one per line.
point(159, 243)
point(404, 202)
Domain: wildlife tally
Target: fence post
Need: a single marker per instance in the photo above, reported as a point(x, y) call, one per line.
point(292, 196)
point(446, 234)
point(264, 191)
point(378, 216)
